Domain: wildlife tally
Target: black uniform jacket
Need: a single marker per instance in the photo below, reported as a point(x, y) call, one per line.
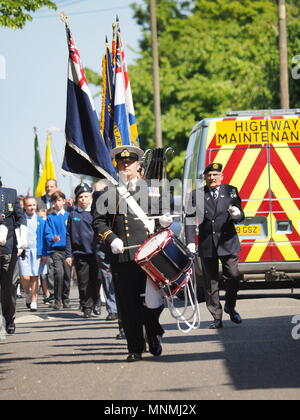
point(109, 226)
point(217, 230)
point(12, 216)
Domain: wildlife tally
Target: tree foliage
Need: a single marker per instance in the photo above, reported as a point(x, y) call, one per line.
point(15, 13)
point(215, 56)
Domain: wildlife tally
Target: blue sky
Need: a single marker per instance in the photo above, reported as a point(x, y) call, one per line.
point(33, 80)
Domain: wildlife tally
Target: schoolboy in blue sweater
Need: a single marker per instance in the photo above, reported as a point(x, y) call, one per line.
point(56, 240)
point(81, 249)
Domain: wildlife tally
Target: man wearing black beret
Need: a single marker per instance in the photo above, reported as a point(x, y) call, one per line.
point(218, 241)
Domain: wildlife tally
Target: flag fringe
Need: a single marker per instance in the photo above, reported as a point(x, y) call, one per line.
point(87, 157)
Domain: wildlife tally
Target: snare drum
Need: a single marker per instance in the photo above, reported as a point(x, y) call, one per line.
point(166, 260)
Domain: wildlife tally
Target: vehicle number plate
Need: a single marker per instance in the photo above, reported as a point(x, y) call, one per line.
point(248, 230)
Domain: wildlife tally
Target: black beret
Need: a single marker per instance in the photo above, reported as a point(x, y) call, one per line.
point(213, 167)
point(82, 188)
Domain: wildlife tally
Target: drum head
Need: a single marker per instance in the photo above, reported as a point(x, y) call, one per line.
point(152, 245)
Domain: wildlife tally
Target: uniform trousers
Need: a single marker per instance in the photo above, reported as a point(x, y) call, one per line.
point(105, 277)
point(231, 276)
point(62, 277)
point(130, 285)
point(87, 277)
point(8, 288)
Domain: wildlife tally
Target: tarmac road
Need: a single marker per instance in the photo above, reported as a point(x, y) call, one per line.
point(59, 355)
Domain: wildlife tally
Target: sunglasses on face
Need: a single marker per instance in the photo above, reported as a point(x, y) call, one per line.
point(127, 161)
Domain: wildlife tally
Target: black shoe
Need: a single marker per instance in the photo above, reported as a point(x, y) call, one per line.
point(10, 328)
point(234, 316)
point(121, 335)
point(154, 343)
point(111, 317)
point(134, 357)
point(97, 310)
point(216, 325)
point(87, 313)
point(66, 304)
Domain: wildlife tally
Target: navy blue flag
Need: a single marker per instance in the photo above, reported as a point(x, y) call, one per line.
point(85, 152)
point(108, 93)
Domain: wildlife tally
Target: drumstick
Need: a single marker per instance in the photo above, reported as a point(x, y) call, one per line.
point(173, 216)
point(127, 248)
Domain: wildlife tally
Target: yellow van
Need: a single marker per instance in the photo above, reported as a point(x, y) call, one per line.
point(260, 153)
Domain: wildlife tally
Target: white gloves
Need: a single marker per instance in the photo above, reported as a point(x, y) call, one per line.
point(117, 246)
point(3, 235)
point(192, 248)
point(166, 220)
point(21, 234)
point(234, 212)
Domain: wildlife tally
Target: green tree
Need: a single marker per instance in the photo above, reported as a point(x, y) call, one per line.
point(215, 56)
point(15, 13)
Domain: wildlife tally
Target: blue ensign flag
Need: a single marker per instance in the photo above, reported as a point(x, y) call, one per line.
point(85, 152)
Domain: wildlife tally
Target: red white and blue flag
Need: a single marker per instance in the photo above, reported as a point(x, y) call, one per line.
point(85, 152)
point(125, 127)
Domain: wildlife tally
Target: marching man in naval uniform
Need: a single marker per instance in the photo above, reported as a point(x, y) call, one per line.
point(121, 230)
point(13, 237)
point(218, 241)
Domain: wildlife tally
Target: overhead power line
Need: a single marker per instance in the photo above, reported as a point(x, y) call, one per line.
point(86, 12)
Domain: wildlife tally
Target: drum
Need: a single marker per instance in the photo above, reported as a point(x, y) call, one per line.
point(166, 261)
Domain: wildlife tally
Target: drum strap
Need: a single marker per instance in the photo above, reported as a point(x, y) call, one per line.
point(135, 208)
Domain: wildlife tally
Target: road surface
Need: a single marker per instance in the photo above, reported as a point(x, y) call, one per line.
point(58, 355)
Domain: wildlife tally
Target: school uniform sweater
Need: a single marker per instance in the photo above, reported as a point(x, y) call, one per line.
point(56, 225)
point(81, 238)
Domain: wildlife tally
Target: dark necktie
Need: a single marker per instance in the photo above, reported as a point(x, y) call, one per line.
point(214, 193)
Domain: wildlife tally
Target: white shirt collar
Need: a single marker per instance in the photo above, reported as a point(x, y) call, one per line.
point(62, 212)
point(81, 210)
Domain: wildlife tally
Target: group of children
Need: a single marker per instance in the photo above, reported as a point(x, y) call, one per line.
point(69, 240)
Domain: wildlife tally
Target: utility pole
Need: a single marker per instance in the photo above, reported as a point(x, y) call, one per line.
point(283, 53)
point(155, 70)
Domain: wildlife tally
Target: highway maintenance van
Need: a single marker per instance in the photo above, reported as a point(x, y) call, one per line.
point(260, 154)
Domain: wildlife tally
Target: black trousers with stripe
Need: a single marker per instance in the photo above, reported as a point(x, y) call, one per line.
point(8, 289)
point(130, 286)
point(231, 277)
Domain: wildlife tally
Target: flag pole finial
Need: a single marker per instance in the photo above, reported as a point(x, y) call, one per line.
point(64, 18)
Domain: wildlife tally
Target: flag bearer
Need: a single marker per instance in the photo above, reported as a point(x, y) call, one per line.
point(119, 230)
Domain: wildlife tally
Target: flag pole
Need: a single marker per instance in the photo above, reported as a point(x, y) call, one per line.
point(283, 54)
point(155, 67)
point(64, 18)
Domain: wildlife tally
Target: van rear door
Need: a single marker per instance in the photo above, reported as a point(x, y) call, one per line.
point(285, 189)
